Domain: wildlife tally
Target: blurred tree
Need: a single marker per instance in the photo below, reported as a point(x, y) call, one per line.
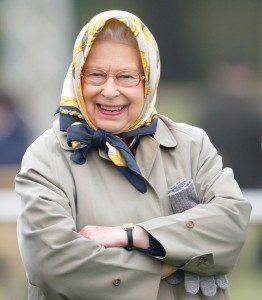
point(231, 117)
point(190, 34)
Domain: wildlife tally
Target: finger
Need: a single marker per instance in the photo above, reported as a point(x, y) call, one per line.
point(191, 283)
point(208, 286)
point(221, 281)
point(176, 277)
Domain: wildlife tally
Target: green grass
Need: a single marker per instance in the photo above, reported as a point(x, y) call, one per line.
point(245, 282)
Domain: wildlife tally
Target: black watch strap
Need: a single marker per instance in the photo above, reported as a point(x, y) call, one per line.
point(129, 231)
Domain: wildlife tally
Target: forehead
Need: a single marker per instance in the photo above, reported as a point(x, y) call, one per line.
point(113, 55)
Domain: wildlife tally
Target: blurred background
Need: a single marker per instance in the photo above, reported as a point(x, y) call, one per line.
point(211, 55)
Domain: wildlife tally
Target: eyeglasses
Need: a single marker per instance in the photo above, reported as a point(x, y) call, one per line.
point(122, 78)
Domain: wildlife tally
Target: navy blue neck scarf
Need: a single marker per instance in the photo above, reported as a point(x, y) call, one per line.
point(82, 139)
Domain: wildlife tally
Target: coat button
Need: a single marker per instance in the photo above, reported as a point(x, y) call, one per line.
point(116, 281)
point(202, 260)
point(189, 224)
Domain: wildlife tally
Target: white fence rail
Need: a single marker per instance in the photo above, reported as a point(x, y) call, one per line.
point(10, 204)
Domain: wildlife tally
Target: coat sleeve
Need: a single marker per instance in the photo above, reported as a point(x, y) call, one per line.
point(57, 259)
point(207, 238)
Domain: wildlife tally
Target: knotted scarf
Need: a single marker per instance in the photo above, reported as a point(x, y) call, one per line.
point(82, 135)
point(83, 138)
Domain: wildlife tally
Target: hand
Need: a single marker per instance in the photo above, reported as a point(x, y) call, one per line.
point(115, 236)
point(206, 285)
point(167, 270)
point(182, 197)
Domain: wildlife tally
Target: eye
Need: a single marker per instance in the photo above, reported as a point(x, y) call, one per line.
point(95, 75)
point(127, 76)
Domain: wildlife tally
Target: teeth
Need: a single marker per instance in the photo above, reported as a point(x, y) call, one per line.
point(111, 108)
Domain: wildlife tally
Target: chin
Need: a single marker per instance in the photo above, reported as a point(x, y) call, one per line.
point(112, 129)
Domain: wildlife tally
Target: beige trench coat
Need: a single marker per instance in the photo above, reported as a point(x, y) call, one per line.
point(59, 197)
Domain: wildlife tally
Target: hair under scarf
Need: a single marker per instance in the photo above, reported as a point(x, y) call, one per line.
point(82, 134)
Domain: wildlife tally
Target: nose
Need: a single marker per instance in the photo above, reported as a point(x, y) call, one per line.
point(110, 89)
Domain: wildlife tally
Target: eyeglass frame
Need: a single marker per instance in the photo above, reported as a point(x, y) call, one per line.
point(140, 77)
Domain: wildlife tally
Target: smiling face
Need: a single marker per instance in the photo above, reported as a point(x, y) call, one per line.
point(111, 107)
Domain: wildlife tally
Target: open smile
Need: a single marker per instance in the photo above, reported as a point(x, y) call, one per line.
point(111, 109)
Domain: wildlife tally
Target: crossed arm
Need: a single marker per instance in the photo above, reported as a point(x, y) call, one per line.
point(111, 237)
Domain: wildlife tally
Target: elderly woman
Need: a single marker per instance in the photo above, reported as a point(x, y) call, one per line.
point(110, 193)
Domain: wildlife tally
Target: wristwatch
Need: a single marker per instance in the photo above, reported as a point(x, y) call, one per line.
point(129, 231)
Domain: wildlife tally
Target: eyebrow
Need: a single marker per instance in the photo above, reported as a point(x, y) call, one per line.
point(117, 70)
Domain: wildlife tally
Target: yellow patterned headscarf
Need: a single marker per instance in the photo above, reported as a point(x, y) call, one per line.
point(82, 135)
point(72, 92)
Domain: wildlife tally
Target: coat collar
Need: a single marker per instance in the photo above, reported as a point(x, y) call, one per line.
point(61, 135)
point(163, 135)
point(149, 147)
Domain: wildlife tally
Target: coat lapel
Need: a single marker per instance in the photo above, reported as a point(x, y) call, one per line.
point(146, 154)
point(148, 148)
point(149, 159)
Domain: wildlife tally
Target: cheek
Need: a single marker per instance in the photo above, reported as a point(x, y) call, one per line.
point(89, 105)
point(85, 92)
point(88, 95)
point(139, 108)
point(141, 101)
